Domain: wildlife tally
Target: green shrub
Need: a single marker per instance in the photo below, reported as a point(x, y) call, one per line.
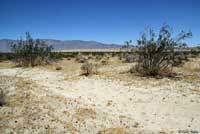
point(31, 52)
point(159, 54)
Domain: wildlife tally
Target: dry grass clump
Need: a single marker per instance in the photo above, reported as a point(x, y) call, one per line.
point(129, 58)
point(59, 68)
point(179, 59)
point(84, 113)
point(105, 59)
point(81, 59)
point(104, 62)
point(70, 126)
point(89, 68)
point(6, 64)
point(90, 57)
point(98, 57)
point(192, 66)
point(28, 107)
point(112, 131)
point(133, 69)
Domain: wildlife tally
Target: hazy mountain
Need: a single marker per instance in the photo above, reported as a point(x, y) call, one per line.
point(78, 44)
point(62, 45)
point(5, 45)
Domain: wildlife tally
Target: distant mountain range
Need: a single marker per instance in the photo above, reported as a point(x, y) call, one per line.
point(63, 45)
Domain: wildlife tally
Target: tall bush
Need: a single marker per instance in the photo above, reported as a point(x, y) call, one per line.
point(156, 55)
point(31, 52)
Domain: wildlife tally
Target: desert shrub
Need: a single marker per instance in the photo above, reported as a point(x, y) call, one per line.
point(158, 55)
point(80, 58)
point(89, 68)
point(2, 98)
point(59, 68)
point(132, 69)
point(195, 52)
point(129, 58)
point(127, 45)
point(31, 52)
point(179, 59)
point(104, 62)
point(6, 56)
point(2, 57)
point(98, 57)
point(90, 57)
point(105, 59)
point(121, 56)
point(57, 55)
point(135, 68)
point(107, 56)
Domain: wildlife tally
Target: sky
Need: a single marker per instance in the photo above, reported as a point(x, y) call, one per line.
point(107, 21)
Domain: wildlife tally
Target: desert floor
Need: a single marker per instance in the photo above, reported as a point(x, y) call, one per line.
point(44, 100)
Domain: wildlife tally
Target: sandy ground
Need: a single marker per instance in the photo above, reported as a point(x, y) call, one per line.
point(43, 100)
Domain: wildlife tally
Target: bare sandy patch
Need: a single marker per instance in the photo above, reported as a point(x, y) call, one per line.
point(44, 101)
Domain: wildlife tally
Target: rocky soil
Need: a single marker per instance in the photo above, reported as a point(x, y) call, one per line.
point(43, 101)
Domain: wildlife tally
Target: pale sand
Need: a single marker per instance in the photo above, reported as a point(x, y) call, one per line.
point(103, 103)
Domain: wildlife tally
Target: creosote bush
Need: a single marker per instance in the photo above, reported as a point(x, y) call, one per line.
point(89, 68)
point(31, 52)
point(158, 55)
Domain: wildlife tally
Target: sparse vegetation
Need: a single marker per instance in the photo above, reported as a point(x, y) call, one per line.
point(195, 52)
point(179, 59)
point(89, 68)
point(158, 55)
point(98, 57)
point(127, 45)
point(84, 76)
point(47, 97)
point(105, 59)
point(129, 58)
point(133, 69)
point(80, 58)
point(112, 131)
point(31, 52)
